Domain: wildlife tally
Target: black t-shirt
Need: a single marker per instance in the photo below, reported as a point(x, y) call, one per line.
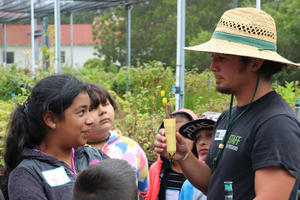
point(268, 134)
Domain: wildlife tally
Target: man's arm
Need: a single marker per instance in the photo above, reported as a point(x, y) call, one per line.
point(273, 183)
point(197, 172)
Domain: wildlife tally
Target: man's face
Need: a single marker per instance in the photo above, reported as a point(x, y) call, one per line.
point(230, 73)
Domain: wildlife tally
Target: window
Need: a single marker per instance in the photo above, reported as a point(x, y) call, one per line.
point(62, 56)
point(10, 57)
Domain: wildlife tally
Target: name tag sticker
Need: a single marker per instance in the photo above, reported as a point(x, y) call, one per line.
point(219, 134)
point(56, 177)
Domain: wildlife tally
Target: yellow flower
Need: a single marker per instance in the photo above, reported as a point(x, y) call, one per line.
point(164, 100)
point(162, 93)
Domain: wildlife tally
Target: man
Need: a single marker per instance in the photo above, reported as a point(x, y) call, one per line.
point(256, 144)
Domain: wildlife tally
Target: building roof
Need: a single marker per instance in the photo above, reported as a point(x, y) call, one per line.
point(20, 34)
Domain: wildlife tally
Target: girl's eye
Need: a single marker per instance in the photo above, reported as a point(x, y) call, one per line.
point(81, 112)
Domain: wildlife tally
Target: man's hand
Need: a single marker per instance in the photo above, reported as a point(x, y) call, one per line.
point(160, 145)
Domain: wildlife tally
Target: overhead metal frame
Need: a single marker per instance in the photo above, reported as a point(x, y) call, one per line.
point(17, 10)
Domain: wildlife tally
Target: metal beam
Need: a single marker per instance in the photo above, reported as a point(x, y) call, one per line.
point(128, 42)
point(57, 35)
point(33, 59)
point(180, 56)
point(236, 3)
point(71, 40)
point(4, 46)
point(258, 4)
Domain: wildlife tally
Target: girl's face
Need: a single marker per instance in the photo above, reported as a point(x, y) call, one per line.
point(104, 117)
point(179, 122)
point(203, 140)
point(74, 128)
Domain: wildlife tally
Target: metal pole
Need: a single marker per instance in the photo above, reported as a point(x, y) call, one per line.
point(57, 35)
point(71, 40)
point(32, 38)
point(128, 36)
point(258, 4)
point(236, 3)
point(180, 67)
point(45, 42)
point(4, 46)
point(182, 55)
point(36, 42)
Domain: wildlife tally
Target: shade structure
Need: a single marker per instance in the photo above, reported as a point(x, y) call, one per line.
point(17, 10)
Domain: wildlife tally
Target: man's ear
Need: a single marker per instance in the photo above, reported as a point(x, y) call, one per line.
point(50, 119)
point(256, 64)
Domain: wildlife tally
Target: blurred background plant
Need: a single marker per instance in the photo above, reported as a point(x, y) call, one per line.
point(140, 109)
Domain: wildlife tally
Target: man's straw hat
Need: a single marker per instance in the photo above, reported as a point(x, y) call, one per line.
point(245, 32)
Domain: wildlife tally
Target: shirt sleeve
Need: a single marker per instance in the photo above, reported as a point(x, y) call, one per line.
point(277, 144)
point(143, 171)
point(23, 185)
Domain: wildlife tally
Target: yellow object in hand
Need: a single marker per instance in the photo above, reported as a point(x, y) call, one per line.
point(170, 133)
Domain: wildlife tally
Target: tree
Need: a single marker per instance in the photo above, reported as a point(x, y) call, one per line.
point(154, 26)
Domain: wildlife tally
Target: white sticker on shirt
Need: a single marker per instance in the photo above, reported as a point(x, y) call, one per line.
point(220, 134)
point(56, 177)
point(172, 194)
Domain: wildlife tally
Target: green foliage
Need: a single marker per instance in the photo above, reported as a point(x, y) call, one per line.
point(288, 92)
point(140, 110)
point(14, 82)
point(153, 31)
point(196, 60)
point(100, 65)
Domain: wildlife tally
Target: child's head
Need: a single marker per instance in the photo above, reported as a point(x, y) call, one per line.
point(102, 110)
point(200, 131)
point(108, 179)
point(43, 111)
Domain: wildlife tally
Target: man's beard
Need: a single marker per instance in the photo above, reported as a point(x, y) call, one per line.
point(224, 90)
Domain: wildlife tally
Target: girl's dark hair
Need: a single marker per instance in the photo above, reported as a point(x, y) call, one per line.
point(268, 67)
point(99, 95)
point(26, 127)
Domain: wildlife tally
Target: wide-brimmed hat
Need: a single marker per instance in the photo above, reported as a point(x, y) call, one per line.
point(246, 32)
point(206, 121)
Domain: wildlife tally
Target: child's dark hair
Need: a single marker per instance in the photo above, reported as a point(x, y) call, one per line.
point(108, 179)
point(26, 127)
point(99, 95)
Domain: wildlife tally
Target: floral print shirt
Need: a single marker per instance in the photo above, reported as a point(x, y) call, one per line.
point(121, 147)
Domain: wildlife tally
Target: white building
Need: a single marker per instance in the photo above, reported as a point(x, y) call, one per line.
point(18, 44)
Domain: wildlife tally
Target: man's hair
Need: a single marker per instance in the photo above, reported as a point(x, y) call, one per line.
point(110, 179)
point(268, 67)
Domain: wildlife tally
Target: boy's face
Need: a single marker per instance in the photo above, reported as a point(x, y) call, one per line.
point(203, 140)
point(104, 117)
